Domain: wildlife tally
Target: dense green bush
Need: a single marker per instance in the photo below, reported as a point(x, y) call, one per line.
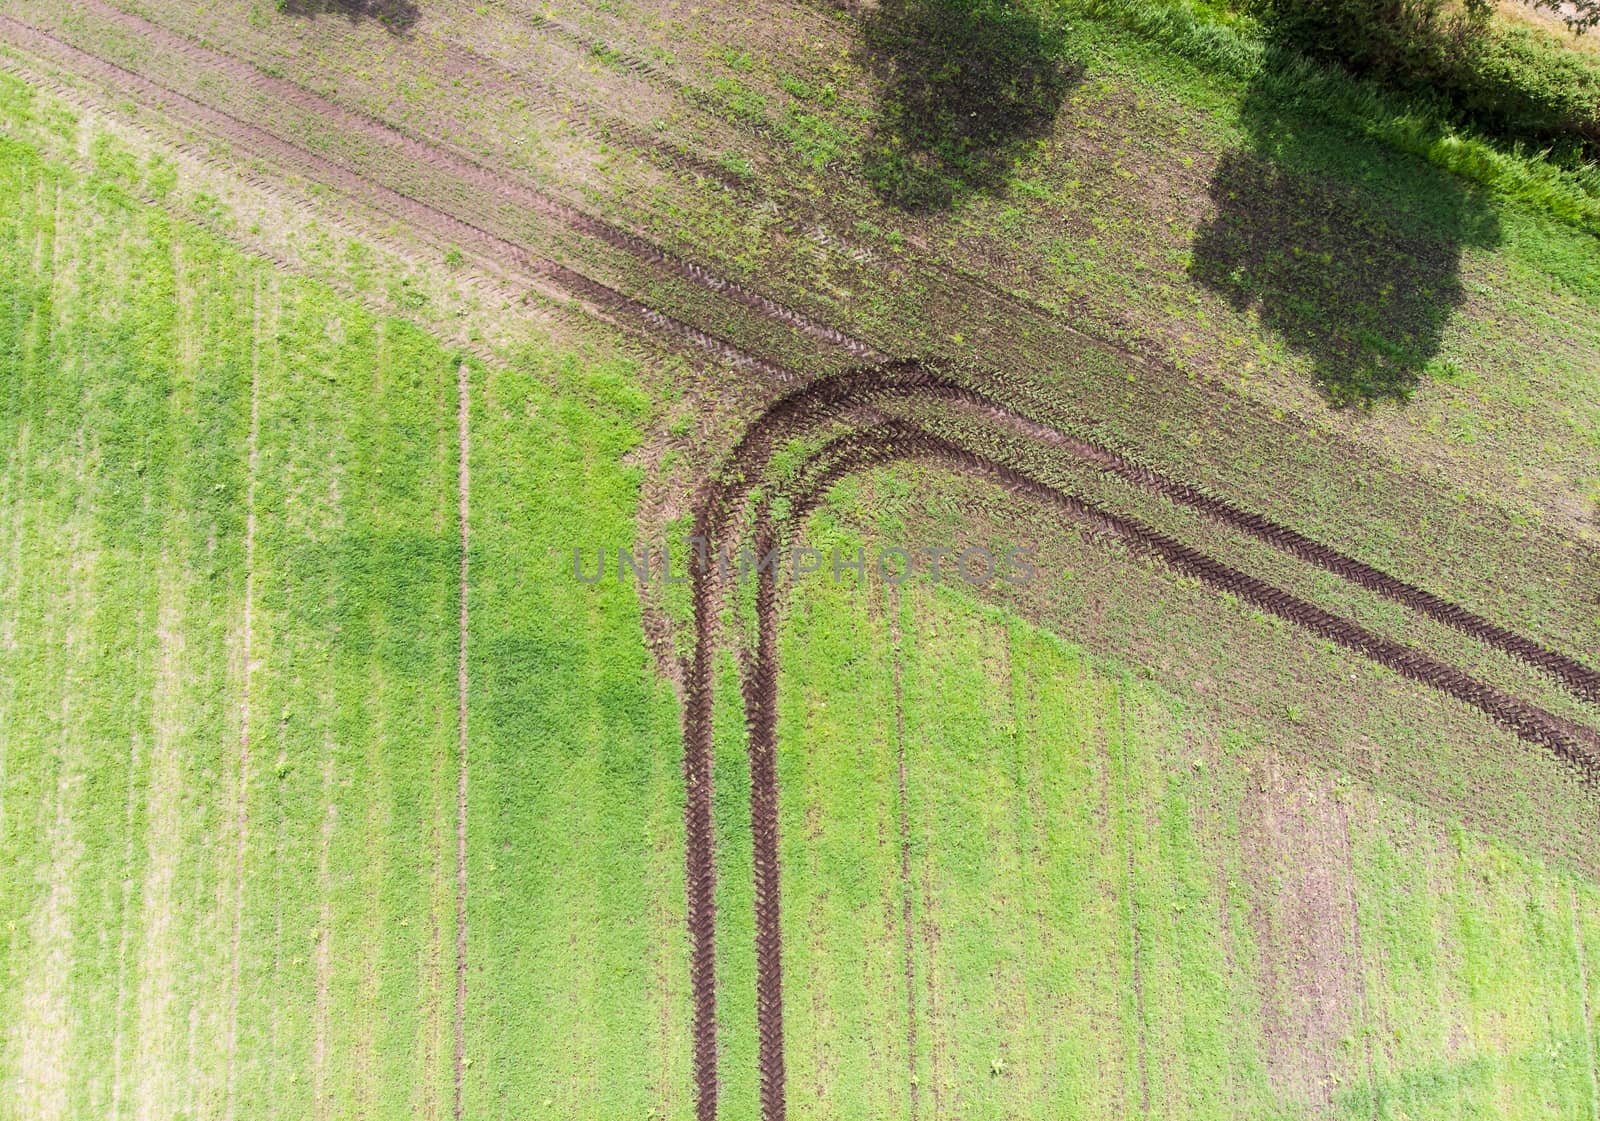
point(1524, 84)
point(1518, 84)
point(1409, 41)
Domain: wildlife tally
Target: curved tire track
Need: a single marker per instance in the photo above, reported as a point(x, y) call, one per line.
point(912, 380)
point(885, 442)
point(1528, 721)
point(1572, 674)
point(1582, 680)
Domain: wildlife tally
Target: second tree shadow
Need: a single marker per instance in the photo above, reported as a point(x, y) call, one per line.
point(968, 86)
point(1349, 253)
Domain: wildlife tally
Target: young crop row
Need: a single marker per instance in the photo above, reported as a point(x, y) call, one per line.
point(1156, 400)
point(1109, 900)
point(575, 820)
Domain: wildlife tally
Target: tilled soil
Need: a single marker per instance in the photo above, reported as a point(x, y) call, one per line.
point(1582, 680)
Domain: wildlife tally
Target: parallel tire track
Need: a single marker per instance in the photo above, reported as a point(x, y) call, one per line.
point(826, 400)
point(467, 170)
point(446, 227)
point(1569, 740)
point(699, 857)
point(913, 380)
point(894, 440)
point(760, 688)
point(1573, 675)
point(1581, 679)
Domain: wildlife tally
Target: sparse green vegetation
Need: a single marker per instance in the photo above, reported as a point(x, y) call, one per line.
point(968, 83)
point(1113, 844)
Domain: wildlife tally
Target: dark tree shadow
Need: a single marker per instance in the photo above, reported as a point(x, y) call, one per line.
point(1351, 254)
point(398, 16)
point(968, 86)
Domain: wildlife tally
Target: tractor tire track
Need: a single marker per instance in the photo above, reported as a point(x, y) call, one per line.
point(895, 440)
point(624, 312)
point(1528, 721)
point(1571, 674)
point(466, 170)
point(760, 687)
point(913, 380)
point(1581, 679)
point(699, 856)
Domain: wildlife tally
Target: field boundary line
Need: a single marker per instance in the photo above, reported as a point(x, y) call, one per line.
point(906, 889)
point(242, 804)
point(463, 474)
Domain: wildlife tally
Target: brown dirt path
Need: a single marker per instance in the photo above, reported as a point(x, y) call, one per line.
point(1295, 833)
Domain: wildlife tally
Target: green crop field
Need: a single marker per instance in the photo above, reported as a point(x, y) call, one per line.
point(338, 340)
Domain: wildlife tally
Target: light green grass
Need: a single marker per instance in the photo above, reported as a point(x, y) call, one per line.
point(128, 430)
point(1073, 827)
point(578, 995)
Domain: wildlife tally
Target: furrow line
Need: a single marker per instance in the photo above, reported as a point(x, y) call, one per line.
point(467, 170)
point(463, 474)
point(242, 820)
point(445, 227)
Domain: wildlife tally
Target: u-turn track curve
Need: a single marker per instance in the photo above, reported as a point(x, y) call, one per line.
point(721, 514)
